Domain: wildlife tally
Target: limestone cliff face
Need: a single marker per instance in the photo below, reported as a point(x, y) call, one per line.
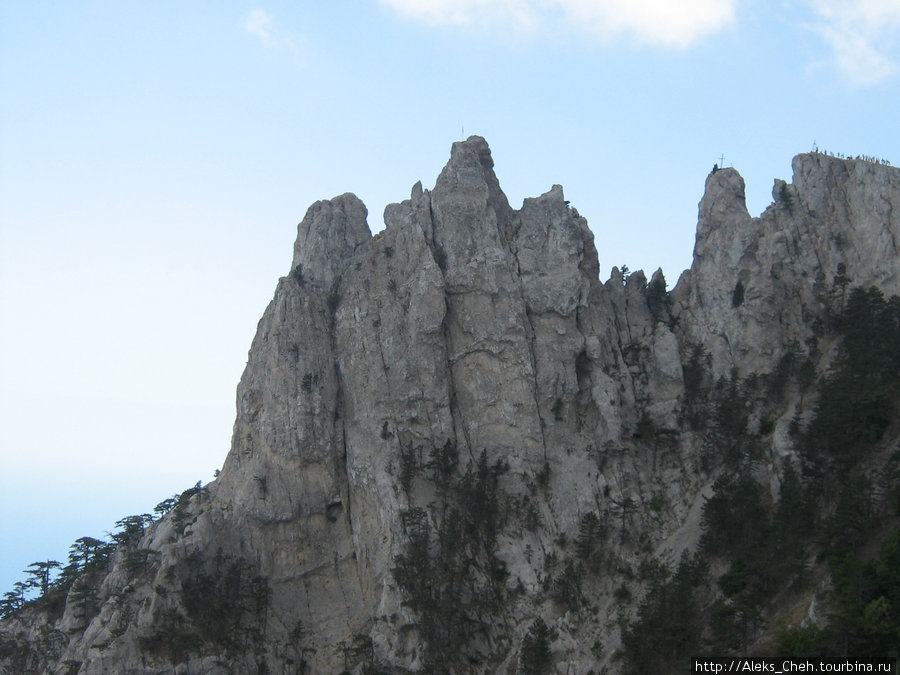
point(757, 284)
point(469, 325)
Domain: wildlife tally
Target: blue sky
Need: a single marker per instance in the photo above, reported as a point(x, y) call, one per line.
point(155, 159)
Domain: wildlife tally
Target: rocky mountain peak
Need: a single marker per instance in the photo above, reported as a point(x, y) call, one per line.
point(329, 234)
point(468, 190)
point(722, 208)
point(452, 433)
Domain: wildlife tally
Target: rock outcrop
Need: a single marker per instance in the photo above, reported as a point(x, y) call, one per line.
point(757, 284)
point(464, 378)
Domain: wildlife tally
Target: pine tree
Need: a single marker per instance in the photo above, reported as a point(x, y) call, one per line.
point(589, 534)
point(40, 575)
point(535, 657)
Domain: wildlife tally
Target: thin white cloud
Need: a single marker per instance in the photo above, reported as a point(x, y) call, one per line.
point(261, 24)
point(863, 35)
point(657, 22)
point(521, 15)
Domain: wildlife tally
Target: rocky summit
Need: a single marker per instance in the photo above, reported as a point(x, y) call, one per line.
point(456, 450)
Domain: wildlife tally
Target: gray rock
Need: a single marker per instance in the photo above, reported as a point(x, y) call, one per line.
point(472, 323)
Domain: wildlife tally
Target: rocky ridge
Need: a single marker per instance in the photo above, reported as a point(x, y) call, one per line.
point(473, 344)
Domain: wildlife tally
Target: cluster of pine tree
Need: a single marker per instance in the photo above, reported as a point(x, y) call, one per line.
point(448, 570)
point(843, 495)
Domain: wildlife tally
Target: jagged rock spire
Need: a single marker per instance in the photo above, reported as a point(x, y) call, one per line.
point(328, 236)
